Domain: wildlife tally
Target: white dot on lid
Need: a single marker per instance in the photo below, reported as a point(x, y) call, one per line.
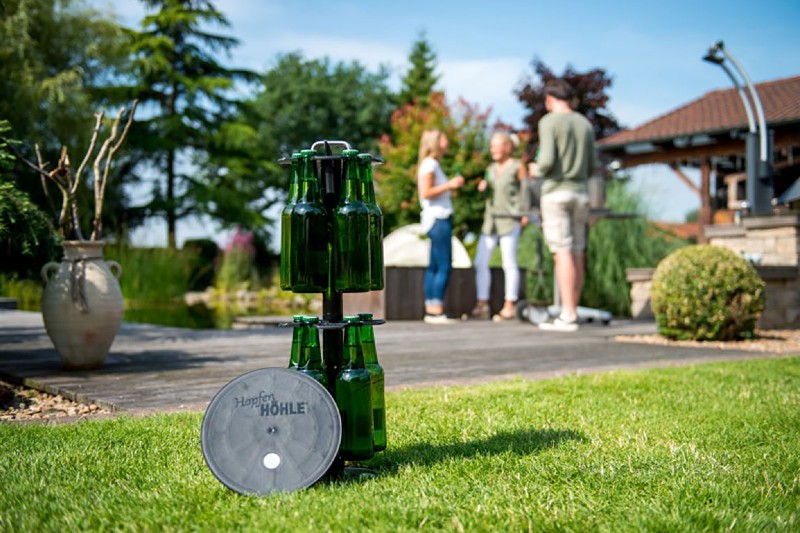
point(272, 460)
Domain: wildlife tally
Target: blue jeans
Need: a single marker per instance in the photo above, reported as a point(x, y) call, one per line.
point(438, 273)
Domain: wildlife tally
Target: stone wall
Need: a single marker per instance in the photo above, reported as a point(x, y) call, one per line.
point(773, 240)
point(771, 243)
point(782, 295)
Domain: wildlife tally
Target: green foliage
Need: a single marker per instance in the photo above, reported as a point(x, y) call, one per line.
point(617, 244)
point(706, 293)
point(204, 252)
point(27, 240)
point(177, 77)
point(27, 292)
point(421, 78)
point(237, 270)
point(396, 181)
point(305, 100)
point(535, 258)
point(590, 97)
point(153, 274)
point(298, 103)
point(695, 448)
point(54, 56)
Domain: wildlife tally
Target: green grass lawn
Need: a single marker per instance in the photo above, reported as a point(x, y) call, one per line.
point(710, 447)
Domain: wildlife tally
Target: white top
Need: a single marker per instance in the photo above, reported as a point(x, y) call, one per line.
point(439, 206)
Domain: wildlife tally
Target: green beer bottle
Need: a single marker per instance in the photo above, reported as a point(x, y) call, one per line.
point(354, 398)
point(310, 249)
point(286, 225)
point(367, 337)
point(351, 233)
point(375, 222)
point(311, 358)
point(297, 342)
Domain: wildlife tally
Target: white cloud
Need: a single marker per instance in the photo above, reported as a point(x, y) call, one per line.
point(369, 53)
point(487, 82)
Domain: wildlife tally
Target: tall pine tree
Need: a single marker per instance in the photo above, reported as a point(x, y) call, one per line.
point(421, 78)
point(187, 93)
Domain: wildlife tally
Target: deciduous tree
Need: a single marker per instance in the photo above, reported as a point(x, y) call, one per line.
point(56, 58)
point(590, 97)
point(466, 128)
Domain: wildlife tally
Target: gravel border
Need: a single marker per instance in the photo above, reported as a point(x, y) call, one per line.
point(18, 403)
point(784, 341)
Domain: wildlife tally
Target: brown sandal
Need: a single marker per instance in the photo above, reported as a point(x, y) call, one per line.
point(504, 314)
point(480, 312)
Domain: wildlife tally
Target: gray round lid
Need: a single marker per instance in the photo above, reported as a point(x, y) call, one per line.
point(270, 430)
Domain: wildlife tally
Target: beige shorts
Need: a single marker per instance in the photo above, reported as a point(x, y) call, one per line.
point(565, 217)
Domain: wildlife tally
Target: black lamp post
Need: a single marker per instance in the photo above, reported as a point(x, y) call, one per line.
point(759, 171)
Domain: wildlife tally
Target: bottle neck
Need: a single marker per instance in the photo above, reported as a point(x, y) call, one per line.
point(298, 338)
point(312, 346)
point(308, 187)
point(367, 336)
point(308, 191)
point(350, 189)
point(294, 181)
point(367, 185)
point(353, 347)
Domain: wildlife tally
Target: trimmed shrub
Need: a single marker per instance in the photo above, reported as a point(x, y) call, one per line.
point(706, 293)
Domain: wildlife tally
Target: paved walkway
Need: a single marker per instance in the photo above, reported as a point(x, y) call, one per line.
point(153, 368)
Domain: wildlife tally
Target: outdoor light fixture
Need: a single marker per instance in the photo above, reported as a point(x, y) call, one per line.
point(759, 173)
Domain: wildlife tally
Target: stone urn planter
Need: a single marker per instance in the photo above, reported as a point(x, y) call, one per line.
point(82, 304)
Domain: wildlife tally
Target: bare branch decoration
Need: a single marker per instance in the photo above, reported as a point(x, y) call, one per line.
point(100, 180)
point(69, 184)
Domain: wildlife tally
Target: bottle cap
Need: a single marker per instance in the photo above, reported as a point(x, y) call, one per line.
point(365, 316)
point(365, 156)
point(349, 153)
point(310, 319)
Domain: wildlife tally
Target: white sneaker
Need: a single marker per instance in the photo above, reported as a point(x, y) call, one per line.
point(559, 324)
point(439, 319)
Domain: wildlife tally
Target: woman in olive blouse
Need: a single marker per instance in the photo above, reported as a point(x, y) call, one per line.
point(507, 202)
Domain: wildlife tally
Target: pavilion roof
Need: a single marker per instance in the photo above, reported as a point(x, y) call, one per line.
point(715, 112)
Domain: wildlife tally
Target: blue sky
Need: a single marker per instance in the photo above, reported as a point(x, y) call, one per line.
point(652, 50)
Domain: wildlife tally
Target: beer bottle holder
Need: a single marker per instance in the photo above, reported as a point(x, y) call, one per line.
point(329, 169)
point(255, 425)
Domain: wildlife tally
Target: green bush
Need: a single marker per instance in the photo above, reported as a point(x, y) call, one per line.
point(27, 239)
point(205, 252)
point(706, 293)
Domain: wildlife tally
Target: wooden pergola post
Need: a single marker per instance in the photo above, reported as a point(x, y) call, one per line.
point(705, 215)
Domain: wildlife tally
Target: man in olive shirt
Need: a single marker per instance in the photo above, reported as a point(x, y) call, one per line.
point(565, 162)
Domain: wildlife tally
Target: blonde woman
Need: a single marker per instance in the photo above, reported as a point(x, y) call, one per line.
point(507, 181)
point(436, 220)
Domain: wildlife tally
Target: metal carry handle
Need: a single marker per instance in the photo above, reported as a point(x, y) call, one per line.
point(329, 143)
